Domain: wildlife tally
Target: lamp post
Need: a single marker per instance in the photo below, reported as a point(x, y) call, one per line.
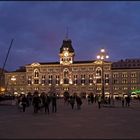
point(102, 56)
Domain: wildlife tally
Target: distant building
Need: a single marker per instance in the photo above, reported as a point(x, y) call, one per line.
point(125, 76)
point(76, 77)
point(2, 80)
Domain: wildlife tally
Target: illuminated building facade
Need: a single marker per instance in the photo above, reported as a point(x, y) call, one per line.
point(81, 77)
point(125, 76)
point(2, 80)
point(76, 77)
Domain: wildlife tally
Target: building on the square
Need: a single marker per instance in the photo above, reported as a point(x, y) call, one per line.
point(125, 76)
point(80, 77)
point(76, 77)
point(2, 80)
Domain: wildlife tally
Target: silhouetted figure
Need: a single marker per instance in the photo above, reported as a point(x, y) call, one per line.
point(43, 98)
point(29, 98)
point(47, 103)
point(88, 97)
point(139, 97)
point(36, 102)
point(19, 102)
point(123, 101)
point(92, 98)
point(109, 100)
point(66, 97)
point(79, 102)
point(72, 101)
point(127, 99)
point(99, 101)
point(24, 102)
point(96, 98)
point(54, 104)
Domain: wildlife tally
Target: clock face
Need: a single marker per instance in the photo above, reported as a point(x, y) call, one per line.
point(65, 53)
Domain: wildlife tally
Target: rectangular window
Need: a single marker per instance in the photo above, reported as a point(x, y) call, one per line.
point(133, 74)
point(50, 76)
point(124, 74)
point(106, 81)
point(83, 76)
point(124, 81)
point(36, 81)
point(75, 82)
point(133, 80)
point(75, 69)
point(98, 81)
point(91, 69)
point(50, 82)
point(29, 80)
point(115, 81)
point(57, 82)
point(83, 81)
point(75, 76)
point(115, 75)
point(43, 81)
point(83, 69)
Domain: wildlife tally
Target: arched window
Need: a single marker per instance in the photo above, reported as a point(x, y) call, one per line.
point(36, 73)
point(98, 71)
point(66, 73)
point(66, 76)
point(98, 75)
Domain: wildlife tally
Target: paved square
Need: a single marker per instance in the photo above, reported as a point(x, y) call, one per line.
point(89, 122)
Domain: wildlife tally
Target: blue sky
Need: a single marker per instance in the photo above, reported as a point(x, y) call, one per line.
point(39, 28)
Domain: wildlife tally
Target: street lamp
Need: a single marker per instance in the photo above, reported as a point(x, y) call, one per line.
point(102, 56)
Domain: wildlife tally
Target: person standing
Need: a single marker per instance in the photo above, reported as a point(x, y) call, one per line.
point(79, 102)
point(92, 98)
point(88, 97)
point(99, 101)
point(72, 101)
point(123, 101)
point(24, 103)
point(54, 104)
point(36, 102)
point(47, 103)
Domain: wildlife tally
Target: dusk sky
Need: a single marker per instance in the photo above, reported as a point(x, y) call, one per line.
point(39, 28)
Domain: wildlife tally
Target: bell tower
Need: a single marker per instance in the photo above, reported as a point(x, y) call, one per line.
point(66, 52)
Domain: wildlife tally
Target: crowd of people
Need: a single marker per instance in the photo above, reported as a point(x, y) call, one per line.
point(38, 102)
point(43, 101)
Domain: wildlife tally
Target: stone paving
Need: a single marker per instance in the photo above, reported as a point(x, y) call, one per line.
point(87, 123)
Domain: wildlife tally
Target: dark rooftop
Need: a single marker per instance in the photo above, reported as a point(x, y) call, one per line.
point(67, 44)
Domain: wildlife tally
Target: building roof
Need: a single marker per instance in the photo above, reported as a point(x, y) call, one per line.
point(75, 62)
point(3, 70)
point(45, 63)
point(67, 44)
point(21, 69)
point(126, 64)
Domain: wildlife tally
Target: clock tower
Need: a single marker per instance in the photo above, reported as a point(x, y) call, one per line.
point(66, 52)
